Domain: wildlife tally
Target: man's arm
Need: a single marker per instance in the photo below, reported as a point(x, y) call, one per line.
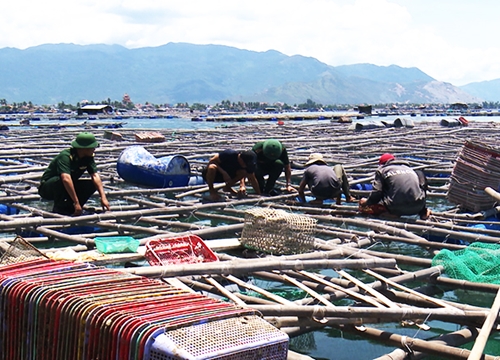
point(377, 193)
point(302, 186)
point(288, 177)
point(253, 180)
point(96, 179)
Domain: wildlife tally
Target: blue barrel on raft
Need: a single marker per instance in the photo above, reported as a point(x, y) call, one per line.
point(136, 165)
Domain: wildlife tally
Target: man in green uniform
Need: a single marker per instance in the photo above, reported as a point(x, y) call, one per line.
point(272, 158)
point(61, 180)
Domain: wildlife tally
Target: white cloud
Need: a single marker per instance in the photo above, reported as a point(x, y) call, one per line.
point(453, 41)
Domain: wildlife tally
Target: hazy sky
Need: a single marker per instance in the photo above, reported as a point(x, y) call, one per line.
point(451, 40)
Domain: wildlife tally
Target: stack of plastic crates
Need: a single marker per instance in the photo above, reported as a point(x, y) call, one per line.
point(64, 310)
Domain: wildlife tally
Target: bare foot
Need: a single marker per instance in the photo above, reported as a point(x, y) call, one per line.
point(230, 190)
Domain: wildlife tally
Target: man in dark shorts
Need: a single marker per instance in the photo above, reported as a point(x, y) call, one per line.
point(397, 190)
point(61, 180)
point(324, 182)
point(272, 159)
point(231, 166)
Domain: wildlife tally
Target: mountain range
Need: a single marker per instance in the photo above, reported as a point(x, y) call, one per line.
point(207, 74)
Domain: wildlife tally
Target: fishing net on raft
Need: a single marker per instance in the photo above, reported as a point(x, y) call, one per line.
point(478, 262)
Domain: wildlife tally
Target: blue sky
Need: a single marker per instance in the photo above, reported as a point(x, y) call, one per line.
point(453, 41)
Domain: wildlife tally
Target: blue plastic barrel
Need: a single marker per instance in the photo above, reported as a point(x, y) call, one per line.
point(136, 165)
point(8, 210)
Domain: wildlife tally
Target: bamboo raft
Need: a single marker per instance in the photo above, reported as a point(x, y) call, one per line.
point(369, 283)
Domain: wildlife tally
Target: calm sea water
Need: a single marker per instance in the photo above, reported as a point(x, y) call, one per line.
point(332, 344)
point(185, 123)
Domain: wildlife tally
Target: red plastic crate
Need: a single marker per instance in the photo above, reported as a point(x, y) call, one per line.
point(180, 250)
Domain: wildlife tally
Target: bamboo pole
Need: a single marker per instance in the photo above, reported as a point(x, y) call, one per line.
point(200, 190)
point(491, 192)
point(381, 298)
point(411, 344)
point(308, 290)
point(352, 294)
point(404, 288)
point(389, 314)
point(456, 338)
point(270, 295)
point(233, 267)
point(224, 291)
point(484, 333)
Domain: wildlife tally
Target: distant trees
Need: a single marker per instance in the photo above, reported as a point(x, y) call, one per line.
point(226, 106)
point(491, 105)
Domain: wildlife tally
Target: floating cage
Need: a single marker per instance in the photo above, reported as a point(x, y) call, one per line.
point(277, 231)
point(477, 167)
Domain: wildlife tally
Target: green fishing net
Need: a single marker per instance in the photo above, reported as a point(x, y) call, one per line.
point(478, 262)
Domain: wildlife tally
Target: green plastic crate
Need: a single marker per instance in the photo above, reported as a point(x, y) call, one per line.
point(116, 244)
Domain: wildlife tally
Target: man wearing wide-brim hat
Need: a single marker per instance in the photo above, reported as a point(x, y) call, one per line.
point(61, 180)
point(323, 181)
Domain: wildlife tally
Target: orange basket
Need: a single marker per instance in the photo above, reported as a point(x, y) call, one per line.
point(188, 249)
